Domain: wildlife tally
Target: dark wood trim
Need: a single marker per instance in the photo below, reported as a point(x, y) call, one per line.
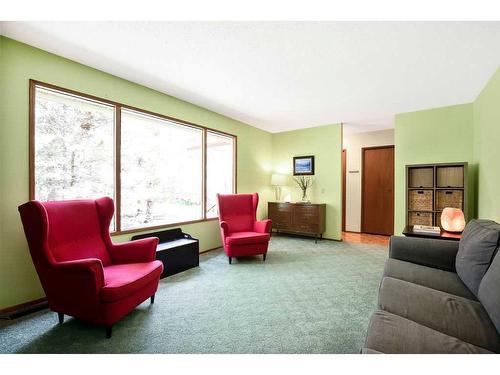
point(235, 166)
point(204, 171)
point(31, 187)
point(344, 187)
point(23, 308)
point(145, 229)
point(118, 107)
point(363, 182)
point(118, 167)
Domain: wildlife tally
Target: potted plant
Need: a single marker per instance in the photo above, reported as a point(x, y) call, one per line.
point(304, 183)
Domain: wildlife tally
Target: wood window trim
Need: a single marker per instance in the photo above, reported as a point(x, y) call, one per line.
point(33, 84)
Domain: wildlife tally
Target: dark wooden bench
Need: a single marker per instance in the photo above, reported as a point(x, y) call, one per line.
point(177, 250)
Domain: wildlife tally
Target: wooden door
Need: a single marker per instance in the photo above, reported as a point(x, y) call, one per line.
point(377, 190)
point(343, 188)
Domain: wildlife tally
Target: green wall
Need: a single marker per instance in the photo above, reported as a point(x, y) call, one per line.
point(325, 143)
point(19, 63)
point(467, 132)
point(487, 149)
point(439, 135)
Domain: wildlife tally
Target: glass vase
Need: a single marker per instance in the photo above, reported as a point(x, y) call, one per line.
point(304, 199)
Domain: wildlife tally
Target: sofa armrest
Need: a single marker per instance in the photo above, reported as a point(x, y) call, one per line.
point(138, 251)
point(262, 226)
point(429, 252)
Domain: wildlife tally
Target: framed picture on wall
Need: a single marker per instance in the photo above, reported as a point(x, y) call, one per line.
point(303, 165)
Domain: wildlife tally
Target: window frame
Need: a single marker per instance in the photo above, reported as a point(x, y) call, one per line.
point(34, 84)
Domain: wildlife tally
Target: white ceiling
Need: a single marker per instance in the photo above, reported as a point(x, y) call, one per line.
point(287, 75)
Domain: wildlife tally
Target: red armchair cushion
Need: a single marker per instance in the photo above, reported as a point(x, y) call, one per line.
point(70, 236)
point(246, 238)
point(122, 280)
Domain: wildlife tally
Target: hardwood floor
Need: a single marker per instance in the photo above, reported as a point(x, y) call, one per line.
point(365, 238)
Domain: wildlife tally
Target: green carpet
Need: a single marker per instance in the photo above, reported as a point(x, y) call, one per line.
point(306, 298)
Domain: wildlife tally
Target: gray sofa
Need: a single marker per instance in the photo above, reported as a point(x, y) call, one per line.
point(440, 296)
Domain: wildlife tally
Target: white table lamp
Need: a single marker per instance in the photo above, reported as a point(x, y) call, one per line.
point(278, 180)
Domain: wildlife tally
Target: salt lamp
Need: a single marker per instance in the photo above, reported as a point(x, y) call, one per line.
point(452, 219)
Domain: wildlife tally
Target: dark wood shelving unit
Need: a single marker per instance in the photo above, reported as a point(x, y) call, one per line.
point(432, 187)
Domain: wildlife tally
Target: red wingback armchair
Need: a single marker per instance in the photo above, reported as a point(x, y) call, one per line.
point(83, 273)
point(242, 234)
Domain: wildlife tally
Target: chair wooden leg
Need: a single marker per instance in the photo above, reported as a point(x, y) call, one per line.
point(109, 331)
point(264, 256)
point(152, 299)
point(229, 260)
point(61, 317)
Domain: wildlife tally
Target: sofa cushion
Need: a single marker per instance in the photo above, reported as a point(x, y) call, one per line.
point(489, 291)
point(122, 280)
point(247, 238)
point(393, 334)
point(434, 278)
point(455, 316)
point(476, 250)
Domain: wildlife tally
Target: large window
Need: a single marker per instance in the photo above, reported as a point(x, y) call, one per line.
point(220, 166)
point(160, 171)
point(74, 147)
point(161, 179)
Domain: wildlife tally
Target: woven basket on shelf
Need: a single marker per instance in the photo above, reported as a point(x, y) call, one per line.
point(449, 198)
point(420, 200)
point(419, 218)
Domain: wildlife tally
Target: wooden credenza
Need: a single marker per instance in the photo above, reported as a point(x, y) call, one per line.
point(300, 218)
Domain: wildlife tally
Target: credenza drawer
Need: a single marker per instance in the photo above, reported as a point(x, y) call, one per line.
point(306, 208)
point(306, 228)
point(298, 217)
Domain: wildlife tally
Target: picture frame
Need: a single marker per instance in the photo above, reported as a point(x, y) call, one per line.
point(303, 165)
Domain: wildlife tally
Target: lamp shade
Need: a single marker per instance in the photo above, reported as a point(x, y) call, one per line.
point(278, 179)
point(452, 219)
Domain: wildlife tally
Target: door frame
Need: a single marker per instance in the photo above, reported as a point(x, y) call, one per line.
point(344, 187)
point(363, 180)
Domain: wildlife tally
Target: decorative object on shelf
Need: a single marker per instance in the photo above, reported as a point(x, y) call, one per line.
point(426, 229)
point(303, 165)
point(453, 220)
point(444, 235)
point(278, 180)
point(304, 183)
